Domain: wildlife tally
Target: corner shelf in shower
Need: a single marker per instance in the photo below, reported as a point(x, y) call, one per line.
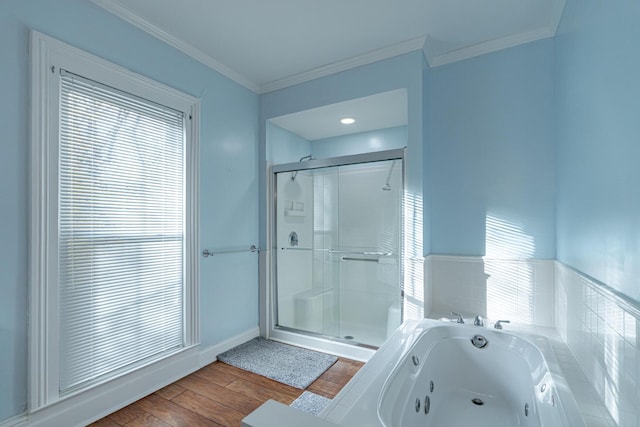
point(293, 208)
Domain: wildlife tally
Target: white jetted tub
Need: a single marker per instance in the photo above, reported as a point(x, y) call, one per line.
point(435, 374)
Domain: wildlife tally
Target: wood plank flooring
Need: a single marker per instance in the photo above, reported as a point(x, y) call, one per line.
point(220, 395)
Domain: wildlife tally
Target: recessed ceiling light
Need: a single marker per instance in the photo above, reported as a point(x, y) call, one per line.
point(347, 121)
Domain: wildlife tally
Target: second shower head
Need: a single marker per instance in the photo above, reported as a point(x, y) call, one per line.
point(387, 186)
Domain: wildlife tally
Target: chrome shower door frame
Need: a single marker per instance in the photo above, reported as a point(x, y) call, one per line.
point(300, 337)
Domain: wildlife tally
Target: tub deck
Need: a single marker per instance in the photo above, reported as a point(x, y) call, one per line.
point(357, 403)
point(382, 390)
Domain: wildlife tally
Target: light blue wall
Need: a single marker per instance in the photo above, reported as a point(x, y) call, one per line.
point(489, 149)
point(228, 187)
point(403, 71)
point(362, 142)
point(598, 141)
point(284, 146)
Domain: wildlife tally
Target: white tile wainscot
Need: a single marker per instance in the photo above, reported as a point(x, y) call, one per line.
point(520, 290)
point(602, 330)
point(598, 330)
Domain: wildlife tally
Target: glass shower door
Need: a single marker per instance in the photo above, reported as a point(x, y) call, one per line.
point(338, 257)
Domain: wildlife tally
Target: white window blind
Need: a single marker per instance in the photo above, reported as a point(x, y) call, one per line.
point(121, 237)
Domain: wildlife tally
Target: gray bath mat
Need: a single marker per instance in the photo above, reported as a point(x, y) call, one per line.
point(287, 364)
point(310, 402)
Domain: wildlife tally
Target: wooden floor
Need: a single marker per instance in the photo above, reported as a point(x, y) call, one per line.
point(221, 395)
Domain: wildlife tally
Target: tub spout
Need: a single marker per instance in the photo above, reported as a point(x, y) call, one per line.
point(499, 323)
point(479, 321)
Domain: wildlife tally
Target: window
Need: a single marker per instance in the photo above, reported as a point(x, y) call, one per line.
point(114, 175)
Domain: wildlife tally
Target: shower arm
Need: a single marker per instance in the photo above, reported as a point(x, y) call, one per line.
point(303, 158)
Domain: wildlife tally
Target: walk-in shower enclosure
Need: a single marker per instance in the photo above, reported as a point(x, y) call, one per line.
point(337, 246)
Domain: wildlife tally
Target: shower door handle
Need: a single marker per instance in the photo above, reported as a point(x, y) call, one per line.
point(363, 256)
point(346, 258)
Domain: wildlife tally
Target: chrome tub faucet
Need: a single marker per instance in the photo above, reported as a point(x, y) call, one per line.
point(499, 323)
point(460, 319)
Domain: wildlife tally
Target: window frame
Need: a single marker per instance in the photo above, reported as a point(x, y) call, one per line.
point(48, 56)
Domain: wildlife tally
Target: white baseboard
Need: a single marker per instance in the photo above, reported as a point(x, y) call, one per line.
point(17, 421)
point(208, 355)
point(91, 405)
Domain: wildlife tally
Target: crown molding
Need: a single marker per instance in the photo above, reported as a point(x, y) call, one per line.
point(175, 42)
point(188, 49)
point(501, 43)
point(353, 62)
point(419, 43)
point(489, 47)
point(556, 15)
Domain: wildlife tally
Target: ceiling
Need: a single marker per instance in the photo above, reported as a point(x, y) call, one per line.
point(269, 45)
point(379, 111)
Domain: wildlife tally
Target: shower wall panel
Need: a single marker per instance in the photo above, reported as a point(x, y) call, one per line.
point(294, 271)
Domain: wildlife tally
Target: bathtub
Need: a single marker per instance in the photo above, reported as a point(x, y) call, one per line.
point(431, 374)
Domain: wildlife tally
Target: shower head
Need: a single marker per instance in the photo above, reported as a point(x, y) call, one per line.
point(387, 186)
